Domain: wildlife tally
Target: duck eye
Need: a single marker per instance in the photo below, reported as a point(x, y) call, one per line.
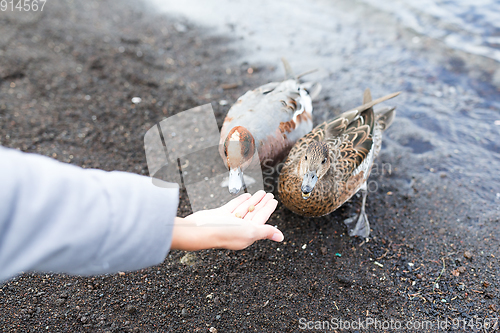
point(305, 157)
point(324, 161)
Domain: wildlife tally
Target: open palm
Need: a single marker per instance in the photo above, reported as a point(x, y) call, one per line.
point(231, 226)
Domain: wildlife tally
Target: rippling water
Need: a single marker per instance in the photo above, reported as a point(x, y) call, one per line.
point(468, 25)
point(443, 55)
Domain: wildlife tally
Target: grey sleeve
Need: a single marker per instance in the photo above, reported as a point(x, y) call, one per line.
point(62, 218)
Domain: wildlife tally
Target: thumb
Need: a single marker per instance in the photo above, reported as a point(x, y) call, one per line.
point(269, 232)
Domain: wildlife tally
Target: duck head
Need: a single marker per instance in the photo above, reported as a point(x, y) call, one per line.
point(313, 166)
point(239, 148)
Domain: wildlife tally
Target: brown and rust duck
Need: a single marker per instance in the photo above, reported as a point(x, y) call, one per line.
point(333, 162)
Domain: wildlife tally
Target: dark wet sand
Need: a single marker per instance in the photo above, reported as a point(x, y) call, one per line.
point(112, 52)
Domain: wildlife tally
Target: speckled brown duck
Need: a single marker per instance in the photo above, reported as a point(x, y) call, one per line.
point(267, 120)
point(330, 164)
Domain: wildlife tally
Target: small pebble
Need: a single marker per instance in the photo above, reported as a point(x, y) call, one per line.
point(486, 284)
point(251, 208)
point(60, 301)
point(461, 269)
point(180, 27)
point(184, 313)
point(130, 309)
point(419, 276)
point(84, 319)
point(212, 330)
point(344, 280)
point(468, 254)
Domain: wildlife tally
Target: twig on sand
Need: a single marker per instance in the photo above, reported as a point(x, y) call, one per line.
point(382, 256)
point(440, 274)
point(412, 296)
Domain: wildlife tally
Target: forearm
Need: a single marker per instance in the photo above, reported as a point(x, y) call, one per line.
point(182, 239)
point(188, 236)
point(57, 217)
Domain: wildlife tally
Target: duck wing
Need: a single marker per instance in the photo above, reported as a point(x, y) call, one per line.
point(277, 114)
point(243, 109)
point(350, 137)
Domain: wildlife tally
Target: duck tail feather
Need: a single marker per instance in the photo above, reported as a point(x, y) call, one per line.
point(385, 116)
point(368, 105)
point(306, 73)
point(313, 88)
point(288, 69)
point(367, 96)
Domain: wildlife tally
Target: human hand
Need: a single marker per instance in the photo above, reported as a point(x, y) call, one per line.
point(221, 228)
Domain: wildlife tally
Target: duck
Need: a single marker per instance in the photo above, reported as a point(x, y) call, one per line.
point(332, 163)
point(265, 123)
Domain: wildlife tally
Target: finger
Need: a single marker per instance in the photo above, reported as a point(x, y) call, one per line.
point(269, 232)
point(233, 204)
point(242, 209)
point(259, 206)
point(263, 214)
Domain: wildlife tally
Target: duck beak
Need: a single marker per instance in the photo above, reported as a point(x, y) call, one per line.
point(308, 183)
point(235, 180)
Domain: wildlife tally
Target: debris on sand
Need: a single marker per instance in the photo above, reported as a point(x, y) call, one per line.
point(228, 86)
point(468, 255)
point(189, 259)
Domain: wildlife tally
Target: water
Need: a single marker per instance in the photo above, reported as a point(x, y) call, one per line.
point(470, 26)
point(443, 55)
